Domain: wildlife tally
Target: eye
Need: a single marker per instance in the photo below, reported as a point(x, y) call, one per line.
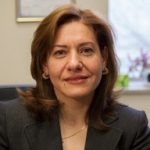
point(59, 53)
point(87, 51)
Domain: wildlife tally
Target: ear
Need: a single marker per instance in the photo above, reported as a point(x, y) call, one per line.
point(45, 69)
point(105, 56)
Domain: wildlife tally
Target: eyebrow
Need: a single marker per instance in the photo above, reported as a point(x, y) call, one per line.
point(86, 43)
point(59, 45)
point(81, 44)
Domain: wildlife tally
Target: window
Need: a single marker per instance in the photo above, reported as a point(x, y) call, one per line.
point(130, 20)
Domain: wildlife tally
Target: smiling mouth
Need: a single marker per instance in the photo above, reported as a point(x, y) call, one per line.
point(77, 79)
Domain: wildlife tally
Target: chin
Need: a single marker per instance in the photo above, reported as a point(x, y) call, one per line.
point(81, 95)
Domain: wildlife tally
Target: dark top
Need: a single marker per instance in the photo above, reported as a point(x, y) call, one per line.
point(19, 131)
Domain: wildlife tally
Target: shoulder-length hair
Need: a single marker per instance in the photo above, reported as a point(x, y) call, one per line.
point(41, 99)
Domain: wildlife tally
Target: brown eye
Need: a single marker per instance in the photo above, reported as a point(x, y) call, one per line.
point(87, 51)
point(59, 53)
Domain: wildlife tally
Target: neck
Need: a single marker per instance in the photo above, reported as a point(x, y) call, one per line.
point(73, 119)
point(73, 113)
point(73, 110)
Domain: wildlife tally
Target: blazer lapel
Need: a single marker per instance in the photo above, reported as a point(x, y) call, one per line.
point(98, 140)
point(103, 140)
point(44, 136)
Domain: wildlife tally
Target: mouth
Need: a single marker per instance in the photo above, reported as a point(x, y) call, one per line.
point(77, 79)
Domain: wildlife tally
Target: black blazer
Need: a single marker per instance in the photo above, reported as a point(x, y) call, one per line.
point(19, 131)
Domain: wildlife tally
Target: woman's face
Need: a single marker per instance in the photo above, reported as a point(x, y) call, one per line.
point(75, 63)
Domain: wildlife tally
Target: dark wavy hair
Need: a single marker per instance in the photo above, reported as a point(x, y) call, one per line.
point(41, 99)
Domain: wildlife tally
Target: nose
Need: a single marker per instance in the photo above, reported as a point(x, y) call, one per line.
point(75, 63)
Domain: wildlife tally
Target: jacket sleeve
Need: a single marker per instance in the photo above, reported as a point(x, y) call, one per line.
point(3, 133)
point(142, 139)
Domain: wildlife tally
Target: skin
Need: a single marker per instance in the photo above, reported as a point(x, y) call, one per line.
point(75, 63)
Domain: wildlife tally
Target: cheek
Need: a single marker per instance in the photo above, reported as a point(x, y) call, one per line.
point(96, 66)
point(55, 70)
point(97, 71)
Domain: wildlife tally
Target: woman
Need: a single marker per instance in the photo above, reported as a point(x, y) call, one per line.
point(73, 105)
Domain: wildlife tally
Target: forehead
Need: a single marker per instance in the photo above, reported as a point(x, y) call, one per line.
point(75, 30)
point(77, 24)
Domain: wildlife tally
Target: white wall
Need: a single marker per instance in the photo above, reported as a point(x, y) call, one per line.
point(15, 41)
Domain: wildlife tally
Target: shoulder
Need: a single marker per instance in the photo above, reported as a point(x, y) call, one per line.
point(14, 112)
point(134, 125)
point(130, 115)
point(14, 118)
point(14, 103)
point(13, 107)
point(130, 118)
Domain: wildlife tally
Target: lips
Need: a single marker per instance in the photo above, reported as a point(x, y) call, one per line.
point(76, 79)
